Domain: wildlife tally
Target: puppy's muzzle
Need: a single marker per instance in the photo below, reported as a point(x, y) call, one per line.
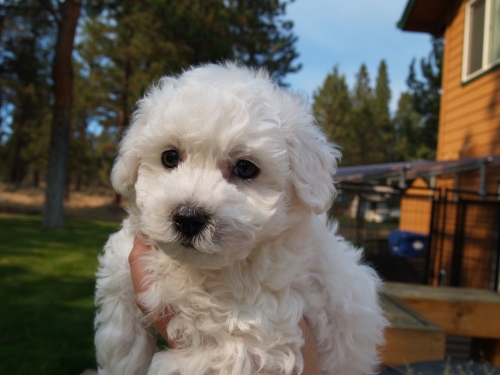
point(190, 221)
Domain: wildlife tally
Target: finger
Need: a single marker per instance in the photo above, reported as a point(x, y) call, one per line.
point(139, 249)
point(160, 324)
point(138, 273)
point(137, 265)
point(309, 350)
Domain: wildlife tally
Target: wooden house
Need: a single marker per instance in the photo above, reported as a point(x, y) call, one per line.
point(469, 124)
point(463, 223)
point(469, 127)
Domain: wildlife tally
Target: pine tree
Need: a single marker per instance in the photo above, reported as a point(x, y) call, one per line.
point(426, 97)
point(142, 41)
point(122, 51)
point(25, 89)
point(381, 112)
point(82, 147)
point(407, 133)
point(62, 18)
point(66, 15)
point(261, 36)
point(136, 43)
point(358, 120)
point(332, 107)
point(366, 149)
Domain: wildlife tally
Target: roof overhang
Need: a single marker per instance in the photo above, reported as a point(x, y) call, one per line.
point(412, 170)
point(425, 16)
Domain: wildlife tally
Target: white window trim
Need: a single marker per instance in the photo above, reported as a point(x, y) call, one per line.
point(486, 42)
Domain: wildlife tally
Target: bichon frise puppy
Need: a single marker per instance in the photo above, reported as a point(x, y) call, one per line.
point(229, 176)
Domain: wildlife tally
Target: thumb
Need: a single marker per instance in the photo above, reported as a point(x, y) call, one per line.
point(137, 265)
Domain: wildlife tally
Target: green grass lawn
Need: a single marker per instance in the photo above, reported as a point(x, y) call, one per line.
point(46, 293)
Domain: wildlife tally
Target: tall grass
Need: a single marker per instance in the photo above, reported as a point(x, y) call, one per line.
point(46, 295)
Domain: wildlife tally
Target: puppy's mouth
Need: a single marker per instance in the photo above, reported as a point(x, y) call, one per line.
point(187, 243)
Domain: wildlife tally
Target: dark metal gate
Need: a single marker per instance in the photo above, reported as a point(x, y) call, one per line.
point(463, 229)
point(465, 240)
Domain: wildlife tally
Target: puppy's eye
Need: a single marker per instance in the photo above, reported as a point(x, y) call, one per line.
point(170, 159)
point(244, 169)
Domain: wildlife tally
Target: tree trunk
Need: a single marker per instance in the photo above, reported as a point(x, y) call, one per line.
point(62, 71)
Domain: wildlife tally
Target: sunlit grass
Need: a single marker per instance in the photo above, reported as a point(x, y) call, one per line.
point(46, 288)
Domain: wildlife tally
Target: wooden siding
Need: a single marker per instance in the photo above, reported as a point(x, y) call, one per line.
point(470, 180)
point(470, 113)
point(469, 127)
point(416, 213)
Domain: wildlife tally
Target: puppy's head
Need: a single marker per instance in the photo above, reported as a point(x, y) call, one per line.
point(220, 159)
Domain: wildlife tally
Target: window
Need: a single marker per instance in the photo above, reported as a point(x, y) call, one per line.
point(482, 37)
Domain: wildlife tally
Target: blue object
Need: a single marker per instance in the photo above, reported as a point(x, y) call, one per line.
point(408, 244)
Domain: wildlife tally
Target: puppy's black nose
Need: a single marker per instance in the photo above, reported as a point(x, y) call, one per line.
point(189, 220)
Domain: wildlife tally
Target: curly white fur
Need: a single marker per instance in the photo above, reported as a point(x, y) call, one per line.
point(267, 258)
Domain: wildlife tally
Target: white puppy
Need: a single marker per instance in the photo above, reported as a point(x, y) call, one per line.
point(229, 177)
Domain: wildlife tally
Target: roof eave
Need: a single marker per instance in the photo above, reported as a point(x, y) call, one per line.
point(406, 14)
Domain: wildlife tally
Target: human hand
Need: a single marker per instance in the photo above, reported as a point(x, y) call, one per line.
point(137, 270)
point(309, 350)
point(138, 274)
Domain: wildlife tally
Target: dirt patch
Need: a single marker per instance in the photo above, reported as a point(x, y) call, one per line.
point(91, 205)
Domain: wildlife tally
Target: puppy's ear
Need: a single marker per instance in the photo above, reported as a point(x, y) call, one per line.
point(124, 173)
point(313, 160)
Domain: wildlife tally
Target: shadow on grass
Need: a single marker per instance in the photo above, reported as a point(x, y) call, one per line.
point(46, 288)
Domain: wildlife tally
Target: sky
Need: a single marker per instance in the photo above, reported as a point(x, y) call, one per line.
point(348, 33)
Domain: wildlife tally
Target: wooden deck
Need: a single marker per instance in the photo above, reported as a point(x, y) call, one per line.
point(458, 311)
point(411, 337)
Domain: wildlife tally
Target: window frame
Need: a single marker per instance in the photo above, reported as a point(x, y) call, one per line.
point(486, 42)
